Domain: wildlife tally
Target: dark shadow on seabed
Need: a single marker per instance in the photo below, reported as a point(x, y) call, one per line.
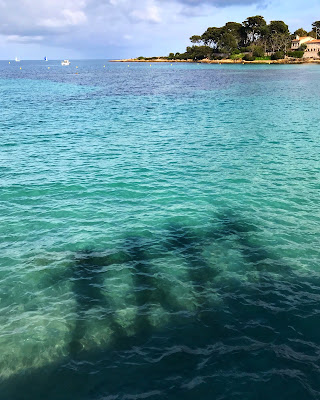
point(88, 273)
point(243, 231)
point(147, 290)
point(169, 357)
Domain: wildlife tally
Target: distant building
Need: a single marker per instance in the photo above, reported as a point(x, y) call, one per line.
point(299, 40)
point(313, 49)
point(313, 46)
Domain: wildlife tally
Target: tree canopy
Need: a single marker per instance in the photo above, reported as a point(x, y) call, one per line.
point(300, 32)
point(254, 28)
point(254, 36)
point(316, 25)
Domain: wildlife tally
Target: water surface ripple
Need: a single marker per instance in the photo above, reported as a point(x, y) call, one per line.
point(159, 231)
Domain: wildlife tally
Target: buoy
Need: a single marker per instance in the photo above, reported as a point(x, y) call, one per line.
point(48, 67)
point(9, 62)
point(20, 68)
point(150, 65)
point(76, 67)
point(104, 66)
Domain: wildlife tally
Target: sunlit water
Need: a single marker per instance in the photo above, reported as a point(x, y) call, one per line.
point(159, 231)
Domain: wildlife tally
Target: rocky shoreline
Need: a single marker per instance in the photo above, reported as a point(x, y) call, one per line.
point(223, 61)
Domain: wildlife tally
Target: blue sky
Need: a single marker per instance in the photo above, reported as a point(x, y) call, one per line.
point(60, 29)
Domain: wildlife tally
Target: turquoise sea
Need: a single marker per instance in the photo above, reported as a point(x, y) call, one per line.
point(159, 231)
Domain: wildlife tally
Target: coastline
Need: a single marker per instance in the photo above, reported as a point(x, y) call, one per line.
point(223, 61)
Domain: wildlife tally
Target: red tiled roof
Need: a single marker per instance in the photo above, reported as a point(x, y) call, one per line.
point(300, 38)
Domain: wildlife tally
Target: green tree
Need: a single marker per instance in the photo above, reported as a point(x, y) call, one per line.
point(197, 52)
point(224, 39)
point(258, 51)
point(278, 55)
point(300, 32)
point(253, 27)
point(211, 37)
point(195, 39)
point(279, 27)
point(236, 30)
point(227, 43)
point(316, 29)
point(296, 54)
point(315, 26)
point(254, 35)
point(279, 36)
point(312, 34)
point(264, 37)
point(248, 57)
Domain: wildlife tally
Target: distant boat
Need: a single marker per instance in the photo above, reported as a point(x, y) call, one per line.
point(65, 62)
point(17, 59)
point(46, 59)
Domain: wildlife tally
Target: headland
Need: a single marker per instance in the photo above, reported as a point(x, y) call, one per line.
point(252, 41)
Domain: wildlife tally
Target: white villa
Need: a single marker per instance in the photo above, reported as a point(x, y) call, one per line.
point(313, 46)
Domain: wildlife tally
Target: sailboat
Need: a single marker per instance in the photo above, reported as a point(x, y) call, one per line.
point(46, 58)
point(16, 59)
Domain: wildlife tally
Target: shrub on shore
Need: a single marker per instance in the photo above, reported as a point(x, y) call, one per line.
point(258, 51)
point(303, 47)
point(248, 57)
point(236, 56)
point(195, 53)
point(296, 54)
point(278, 55)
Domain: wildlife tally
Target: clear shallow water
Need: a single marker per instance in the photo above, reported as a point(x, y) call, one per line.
point(159, 231)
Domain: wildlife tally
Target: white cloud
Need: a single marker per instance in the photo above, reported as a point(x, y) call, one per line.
point(40, 17)
point(67, 18)
point(24, 39)
point(149, 14)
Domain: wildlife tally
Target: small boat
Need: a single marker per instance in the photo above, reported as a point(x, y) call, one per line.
point(17, 59)
point(65, 62)
point(46, 59)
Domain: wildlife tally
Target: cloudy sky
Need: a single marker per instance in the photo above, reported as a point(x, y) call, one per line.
point(59, 29)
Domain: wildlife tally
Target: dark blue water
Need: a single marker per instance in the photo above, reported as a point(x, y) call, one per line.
point(159, 231)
